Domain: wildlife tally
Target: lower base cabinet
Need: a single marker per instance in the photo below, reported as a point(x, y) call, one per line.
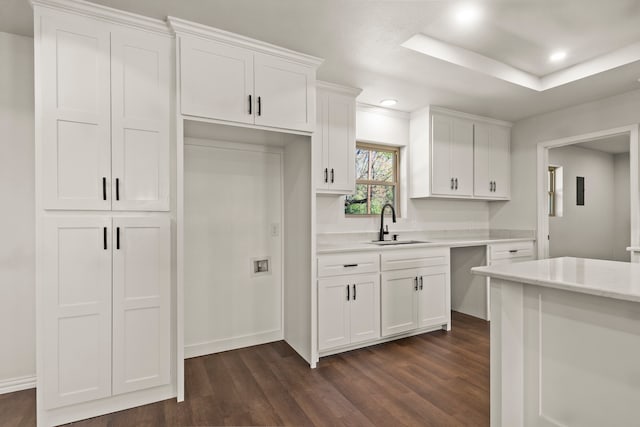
point(414, 298)
point(348, 310)
point(106, 306)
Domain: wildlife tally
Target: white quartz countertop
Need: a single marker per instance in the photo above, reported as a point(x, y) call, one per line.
point(612, 279)
point(368, 246)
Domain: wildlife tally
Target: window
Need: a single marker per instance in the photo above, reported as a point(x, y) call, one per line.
point(555, 191)
point(552, 191)
point(376, 180)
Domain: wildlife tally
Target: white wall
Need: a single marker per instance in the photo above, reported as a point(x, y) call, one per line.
point(520, 212)
point(584, 231)
point(622, 208)
point(384, 126)
point(17, 216)
point(233, 212)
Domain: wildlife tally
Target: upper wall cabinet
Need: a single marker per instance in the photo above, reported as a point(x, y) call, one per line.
point(105, 118)
point(492, 161)
point(231, 78)
point(458, 155)
point(334, 141)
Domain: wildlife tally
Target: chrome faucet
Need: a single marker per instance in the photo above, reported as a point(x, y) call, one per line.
point(384, 230)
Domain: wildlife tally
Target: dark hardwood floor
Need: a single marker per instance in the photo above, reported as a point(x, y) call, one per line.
point(435, 379)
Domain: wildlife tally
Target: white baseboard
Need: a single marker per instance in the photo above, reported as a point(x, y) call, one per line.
point(16, 384)
point(217, 346)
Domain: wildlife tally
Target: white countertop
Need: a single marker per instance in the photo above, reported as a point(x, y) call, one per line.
point(612, 279)
point(367, 246)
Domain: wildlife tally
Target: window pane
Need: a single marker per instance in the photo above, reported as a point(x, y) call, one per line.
point(369, 199)
point(356, 204)
point(362, 163)
point(381, 194)
point(382, 166)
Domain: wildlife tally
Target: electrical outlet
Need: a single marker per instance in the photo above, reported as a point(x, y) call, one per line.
point(275, 229)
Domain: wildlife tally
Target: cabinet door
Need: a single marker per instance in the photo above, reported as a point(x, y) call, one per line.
point(76, 310)
point(501, 161)
point(141, 311)
point(216, 80)
point(442, 142)
point(320, 141)
point(285, 93)
point(341, 140)
point(365, 308)
point(140, 120)
point(433, 297)
point(333, 312)
point(481, 155)
point(73, 55)
point(398, 302)
point(462, 157)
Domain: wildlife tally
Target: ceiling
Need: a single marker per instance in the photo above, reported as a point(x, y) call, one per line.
point(361, 40)
point(616, 144)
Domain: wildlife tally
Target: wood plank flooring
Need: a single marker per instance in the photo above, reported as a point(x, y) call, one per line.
point(436, 379)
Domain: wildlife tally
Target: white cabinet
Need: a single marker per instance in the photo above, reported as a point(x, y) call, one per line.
point(105, 307)
point(348, 299)
point(492, 161)
point(415, 290)
point(414, 298)
point(216, 80)
point(105, 100)
point(334, 140)
point(458, 155)
point(231, 78)
point(141, 315)
point(140, 120)
point(74, 74)
point(348, 310)
point(452, 172)
point(76, 310)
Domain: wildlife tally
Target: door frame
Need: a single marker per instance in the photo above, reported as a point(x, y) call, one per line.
point(543, 164)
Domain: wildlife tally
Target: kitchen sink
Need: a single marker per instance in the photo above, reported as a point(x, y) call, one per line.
point(397, 242)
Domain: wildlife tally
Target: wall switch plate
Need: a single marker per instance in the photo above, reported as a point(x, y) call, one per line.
point(275, 229)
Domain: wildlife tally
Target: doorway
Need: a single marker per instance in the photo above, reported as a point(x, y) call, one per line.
point(588, 203)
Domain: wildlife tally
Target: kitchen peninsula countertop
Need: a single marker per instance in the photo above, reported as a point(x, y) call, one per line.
point(612, 279)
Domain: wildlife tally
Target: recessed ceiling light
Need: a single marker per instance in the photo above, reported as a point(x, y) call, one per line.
point(467, 14)
point(388, 102)
point(558, 56)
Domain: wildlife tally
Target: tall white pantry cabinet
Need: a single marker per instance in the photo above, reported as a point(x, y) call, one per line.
point(103, 279)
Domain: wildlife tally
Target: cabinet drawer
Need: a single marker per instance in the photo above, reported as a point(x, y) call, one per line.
point(348, 263)
point(414, 258)
point(515, 250)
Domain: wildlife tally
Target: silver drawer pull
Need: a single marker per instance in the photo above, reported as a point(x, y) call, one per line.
point(513, 251)
point(350, 265)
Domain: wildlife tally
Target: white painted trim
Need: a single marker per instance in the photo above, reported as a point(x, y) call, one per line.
point(435, 109)
point(233, 146)
point(108, 14)
point(184, 27)
point(336, 88)
point(368, 108)
point(500, 70)
point(242, 125)
point(382, 340)
point(542, 164)
point(16, 384)
point(226, 344)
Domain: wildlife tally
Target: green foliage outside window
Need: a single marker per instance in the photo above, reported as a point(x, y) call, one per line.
point(376, 180)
